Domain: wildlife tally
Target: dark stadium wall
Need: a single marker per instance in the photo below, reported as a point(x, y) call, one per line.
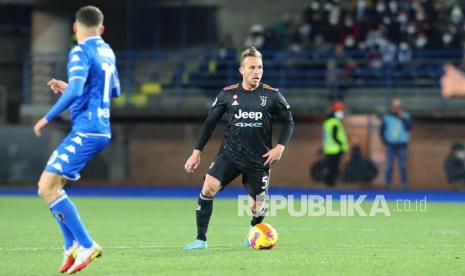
point(158, 158)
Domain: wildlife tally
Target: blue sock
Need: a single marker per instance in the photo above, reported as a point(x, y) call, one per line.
point(67, 235)
point(64, 209)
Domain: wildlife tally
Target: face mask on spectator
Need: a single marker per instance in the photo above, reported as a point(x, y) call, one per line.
point(349, 41)
point(402, 18)
point(348, 22)
point(380, 7)
point(328, 7)
point(393, 6)
point(460, 154)
point(456, 15)
point(421, 42)
point(222, 53)
point(295, 48)
point(420, 16)
point(361, 4)
point(387, 20)
point(315, 6)
point(404, 46)
point(339, 115)
point(411, 29)
point(305, 29)
point(447, 38)
point(381, 42)
point(333, 18)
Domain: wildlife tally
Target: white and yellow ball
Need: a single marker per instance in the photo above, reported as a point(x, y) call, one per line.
point(263, 236)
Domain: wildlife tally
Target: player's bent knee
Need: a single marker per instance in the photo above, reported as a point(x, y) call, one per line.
point(211, 186)
point(44, 192)
point(49, 186)
point(209, 191)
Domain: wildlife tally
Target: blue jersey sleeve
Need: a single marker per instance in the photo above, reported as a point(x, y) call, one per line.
point(78, 64)
point(75, 87)
point(78, 69)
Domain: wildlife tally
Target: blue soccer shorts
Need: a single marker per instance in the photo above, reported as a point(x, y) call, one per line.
point(74, 152)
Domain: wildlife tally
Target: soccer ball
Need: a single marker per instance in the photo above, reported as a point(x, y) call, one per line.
point(262, 236)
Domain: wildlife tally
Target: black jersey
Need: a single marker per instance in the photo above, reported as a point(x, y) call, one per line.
point(248, 133)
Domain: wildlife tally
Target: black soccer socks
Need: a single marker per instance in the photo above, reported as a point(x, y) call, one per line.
point(203, 214)
point(258, 217)
point(256, 220)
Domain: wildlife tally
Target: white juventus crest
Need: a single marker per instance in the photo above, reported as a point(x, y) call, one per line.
point(235, 102)
point(263, 102)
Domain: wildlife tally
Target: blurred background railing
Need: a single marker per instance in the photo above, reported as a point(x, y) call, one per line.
point(174, 80)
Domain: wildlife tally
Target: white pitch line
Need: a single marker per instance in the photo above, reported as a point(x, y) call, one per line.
point(16, 249)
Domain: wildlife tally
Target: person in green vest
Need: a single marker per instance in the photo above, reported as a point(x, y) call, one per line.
point(334, 141)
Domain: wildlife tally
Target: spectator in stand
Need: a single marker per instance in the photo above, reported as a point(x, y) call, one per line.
point(454, 165)
point(339, 69)
point(335, 142)
point(395, 134)
point(359, 169)
point(319, 170)
point(256, 37)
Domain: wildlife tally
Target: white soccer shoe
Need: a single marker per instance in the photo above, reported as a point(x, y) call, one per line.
point(69, 256)
point(85, 256)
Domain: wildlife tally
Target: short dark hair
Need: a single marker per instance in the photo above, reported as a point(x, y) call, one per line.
point(89, 16)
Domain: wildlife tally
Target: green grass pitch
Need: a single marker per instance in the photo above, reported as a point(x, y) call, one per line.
point(145, 237)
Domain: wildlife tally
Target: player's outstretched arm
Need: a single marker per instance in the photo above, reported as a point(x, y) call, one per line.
point(193, 161)
point(63, 103)
point(57, 86)
point(452, 82)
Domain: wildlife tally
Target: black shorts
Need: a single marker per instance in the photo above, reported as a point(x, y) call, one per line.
point(255, 181)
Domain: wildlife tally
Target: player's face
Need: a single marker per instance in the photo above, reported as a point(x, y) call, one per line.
point(251, 71)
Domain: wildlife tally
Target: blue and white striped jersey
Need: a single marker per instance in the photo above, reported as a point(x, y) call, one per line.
point(92, 82)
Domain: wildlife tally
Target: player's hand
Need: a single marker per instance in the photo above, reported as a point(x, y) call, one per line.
point(193, 162)
point(57, 86)
point(39, 126)
point(274, 155)
point(452, 82)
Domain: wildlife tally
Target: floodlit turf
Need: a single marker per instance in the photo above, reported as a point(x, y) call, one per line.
point(145, 237)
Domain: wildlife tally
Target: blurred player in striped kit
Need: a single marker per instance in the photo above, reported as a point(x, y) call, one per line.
point(92, 82)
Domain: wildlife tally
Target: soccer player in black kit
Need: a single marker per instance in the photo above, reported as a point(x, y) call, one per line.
point(247, 149)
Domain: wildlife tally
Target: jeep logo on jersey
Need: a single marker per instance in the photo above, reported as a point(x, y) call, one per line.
point(248, 115)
